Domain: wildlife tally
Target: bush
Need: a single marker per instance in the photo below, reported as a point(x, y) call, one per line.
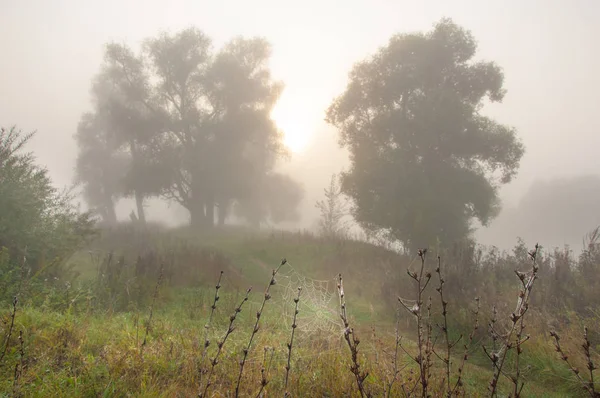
point(39, 224)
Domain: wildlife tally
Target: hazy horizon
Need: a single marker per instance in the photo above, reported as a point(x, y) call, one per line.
point(52, 50)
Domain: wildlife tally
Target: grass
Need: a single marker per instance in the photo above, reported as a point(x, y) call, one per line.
point(73, 346)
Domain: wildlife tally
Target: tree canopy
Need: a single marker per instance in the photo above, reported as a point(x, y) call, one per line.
point(194, 125)
point(424, 160)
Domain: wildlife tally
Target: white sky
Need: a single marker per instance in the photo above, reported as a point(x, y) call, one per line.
point(50, 49)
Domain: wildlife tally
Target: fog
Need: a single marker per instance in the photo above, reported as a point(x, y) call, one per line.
point(51, 50)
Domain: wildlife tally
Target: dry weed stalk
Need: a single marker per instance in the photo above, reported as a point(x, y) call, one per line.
point(221, 343)
point(391, 375)
point(446, 359)
point(396, 369)
point(151, 313)
point(589, 386)
point(267, 296)
point(264, 371)
point(13, 312)
point(498, 359)
point(290, 345)
point(19, 366)
point(213, 307)
point(429, 344)
point(352, 340)
point(423, 359)
point(466, 346)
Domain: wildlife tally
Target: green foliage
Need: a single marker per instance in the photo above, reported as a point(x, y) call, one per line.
point(37, 220)
point(424, 160)
point(194, 126)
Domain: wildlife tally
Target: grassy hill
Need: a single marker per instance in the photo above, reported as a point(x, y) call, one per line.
point(84, 336)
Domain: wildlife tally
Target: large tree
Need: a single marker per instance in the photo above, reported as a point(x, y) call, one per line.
point(221, 135)
point(120, 138)
point(123, 95)
point(196, 124)
point(424, 160)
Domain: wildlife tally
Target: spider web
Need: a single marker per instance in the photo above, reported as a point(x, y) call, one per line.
point(317, 313)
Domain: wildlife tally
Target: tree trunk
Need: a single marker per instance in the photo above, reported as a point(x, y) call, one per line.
point(222, 213)
point(139, 198)
point(196, 201)
point(139, 201)
point(210, 211)
point(109, 215)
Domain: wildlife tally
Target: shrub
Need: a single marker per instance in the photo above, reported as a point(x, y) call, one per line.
point(37, 222)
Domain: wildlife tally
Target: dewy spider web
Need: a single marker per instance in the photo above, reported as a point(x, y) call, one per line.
point(317, 310)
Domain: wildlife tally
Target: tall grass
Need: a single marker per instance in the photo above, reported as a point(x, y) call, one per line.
point(75, 347)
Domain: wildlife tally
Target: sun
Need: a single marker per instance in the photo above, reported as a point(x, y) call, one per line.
point(287, 115)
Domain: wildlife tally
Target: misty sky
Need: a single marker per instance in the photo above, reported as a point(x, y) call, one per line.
point(49, 51)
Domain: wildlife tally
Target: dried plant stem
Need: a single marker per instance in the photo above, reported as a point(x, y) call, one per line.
point(422, 279)
point(492, 328)
point(587, 385)
point(19, 366)
point(213, 307)
point(13, 312)
point(221, 343)
point(352, 340)
point(266, 297)
point(518, 341)
point(290, 345)
point(151, 313)
point(590, 364)
point(444, 327)
point(396, 369)
point(429, 344)
point(466, 346)
point(499, 358)
point(264, 371)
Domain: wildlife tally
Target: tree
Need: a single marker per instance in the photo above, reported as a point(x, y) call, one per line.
point(99, 166)
point(36, 218)
point(333, 210)
point(123, 97)
point(424, 160)
point(275, 199)
point(119, 141)
point(200, 120)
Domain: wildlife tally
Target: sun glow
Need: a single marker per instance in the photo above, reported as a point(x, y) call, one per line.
point(297, 131)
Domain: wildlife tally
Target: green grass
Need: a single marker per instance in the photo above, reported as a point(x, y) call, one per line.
point(75, 348)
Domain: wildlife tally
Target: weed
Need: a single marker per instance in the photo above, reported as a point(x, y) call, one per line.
point(266, 297)
point(352, 340)
point(517, 326)
point(589, 385)
point(221, 343)
point(151, 311)
point(290, 345)
point(213, 307)
point(422, 279)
